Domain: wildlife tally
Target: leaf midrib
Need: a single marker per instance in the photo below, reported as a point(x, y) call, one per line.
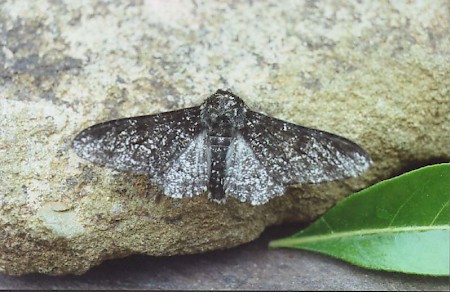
point(345, 234)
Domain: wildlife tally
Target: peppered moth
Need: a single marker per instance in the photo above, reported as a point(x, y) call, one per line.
point(223, 148)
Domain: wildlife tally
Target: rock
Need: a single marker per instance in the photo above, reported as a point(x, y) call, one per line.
point(382, 82)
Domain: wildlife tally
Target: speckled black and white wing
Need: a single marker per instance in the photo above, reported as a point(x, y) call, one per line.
point(246, 178)
point(292, 154)
point(165, 146)
point(188, 174)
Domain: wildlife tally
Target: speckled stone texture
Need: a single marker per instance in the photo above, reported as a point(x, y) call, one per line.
point(373, 72)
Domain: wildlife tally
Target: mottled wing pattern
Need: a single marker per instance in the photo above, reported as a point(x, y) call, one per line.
point(292, 154)
point(188, 174)
point(144, 144)
point(246, 178)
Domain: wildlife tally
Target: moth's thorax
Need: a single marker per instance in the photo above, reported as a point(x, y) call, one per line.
point(223, 113)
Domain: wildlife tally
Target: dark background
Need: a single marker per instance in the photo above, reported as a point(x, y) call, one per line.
point(250, 266)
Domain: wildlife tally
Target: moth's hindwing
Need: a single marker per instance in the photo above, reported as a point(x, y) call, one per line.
point(247, 179)
point(187, 174)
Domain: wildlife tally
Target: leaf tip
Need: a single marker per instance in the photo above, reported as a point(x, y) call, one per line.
point(276, 243)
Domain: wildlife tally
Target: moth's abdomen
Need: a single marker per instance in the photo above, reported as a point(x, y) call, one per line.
point(219, 149)
point(219, 141)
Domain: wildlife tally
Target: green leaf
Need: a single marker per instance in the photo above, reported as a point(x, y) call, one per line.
point(401, 224)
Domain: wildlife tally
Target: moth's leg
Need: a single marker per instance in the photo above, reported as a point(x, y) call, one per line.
point(157, 197)
point(154, 192)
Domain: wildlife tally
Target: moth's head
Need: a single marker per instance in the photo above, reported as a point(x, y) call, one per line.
point(223, 111)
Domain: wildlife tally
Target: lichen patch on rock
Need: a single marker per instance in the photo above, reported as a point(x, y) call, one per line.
point(60, 218)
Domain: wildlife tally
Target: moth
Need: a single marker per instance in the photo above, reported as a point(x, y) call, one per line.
point(223, 148)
